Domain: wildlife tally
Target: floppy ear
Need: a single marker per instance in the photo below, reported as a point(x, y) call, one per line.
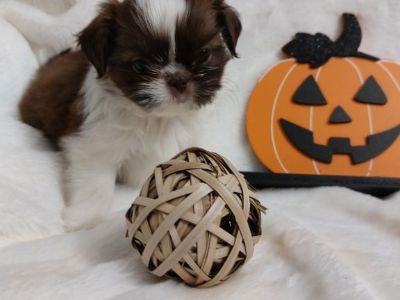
point(97, 39)
point(231, 26)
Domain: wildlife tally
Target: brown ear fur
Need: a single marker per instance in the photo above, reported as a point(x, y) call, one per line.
point(97, 39)
point(229, 21)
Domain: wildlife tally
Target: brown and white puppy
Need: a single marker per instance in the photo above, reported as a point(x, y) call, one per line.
point(127, 100)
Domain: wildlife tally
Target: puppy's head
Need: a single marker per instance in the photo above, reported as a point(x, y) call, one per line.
point(163, 53)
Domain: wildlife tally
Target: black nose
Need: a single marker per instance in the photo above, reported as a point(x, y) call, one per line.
point(178, 82)
point(339, 116)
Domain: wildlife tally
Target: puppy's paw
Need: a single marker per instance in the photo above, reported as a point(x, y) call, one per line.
point(79, 218)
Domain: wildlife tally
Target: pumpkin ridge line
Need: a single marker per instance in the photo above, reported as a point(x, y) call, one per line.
point(273, 113)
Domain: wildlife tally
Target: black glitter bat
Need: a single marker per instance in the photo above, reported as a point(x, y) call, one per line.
point(317, 49)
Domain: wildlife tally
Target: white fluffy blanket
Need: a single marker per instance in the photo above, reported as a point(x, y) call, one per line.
point(326, 243)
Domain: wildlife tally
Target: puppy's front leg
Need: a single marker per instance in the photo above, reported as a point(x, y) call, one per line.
point(89, 187)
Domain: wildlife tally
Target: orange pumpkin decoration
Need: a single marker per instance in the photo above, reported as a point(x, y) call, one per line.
point(330, 111)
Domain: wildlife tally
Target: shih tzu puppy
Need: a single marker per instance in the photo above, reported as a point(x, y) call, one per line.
point(127, 99)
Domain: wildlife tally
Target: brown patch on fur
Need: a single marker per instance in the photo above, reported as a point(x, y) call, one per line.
point(229, 21)
point(207, 26)
point(207, 19)
point(114, 42)
point(97, 40)
point(52, 101)
point(121, 35)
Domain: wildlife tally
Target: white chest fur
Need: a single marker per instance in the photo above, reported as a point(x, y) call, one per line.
point(117, 138)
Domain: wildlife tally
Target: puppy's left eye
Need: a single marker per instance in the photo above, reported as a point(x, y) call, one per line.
point(139, 66)
point(204, 55)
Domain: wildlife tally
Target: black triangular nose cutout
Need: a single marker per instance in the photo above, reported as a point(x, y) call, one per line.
point(339, 116)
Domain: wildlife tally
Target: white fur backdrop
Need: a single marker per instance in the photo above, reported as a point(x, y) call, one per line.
point(326, 243)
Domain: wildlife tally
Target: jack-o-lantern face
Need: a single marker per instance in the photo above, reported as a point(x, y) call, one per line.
point(340, 118)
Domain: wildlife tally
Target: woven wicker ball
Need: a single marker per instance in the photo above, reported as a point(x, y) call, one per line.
point(195, 219)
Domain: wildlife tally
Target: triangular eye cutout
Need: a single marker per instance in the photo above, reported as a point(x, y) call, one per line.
point(309, 93)
point(371, 93)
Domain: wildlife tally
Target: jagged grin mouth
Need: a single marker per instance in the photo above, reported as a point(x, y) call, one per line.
point(303, 140)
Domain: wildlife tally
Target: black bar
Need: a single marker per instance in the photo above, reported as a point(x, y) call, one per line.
point(376, 186)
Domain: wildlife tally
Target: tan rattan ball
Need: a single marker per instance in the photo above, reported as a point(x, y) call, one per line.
point(195, 219)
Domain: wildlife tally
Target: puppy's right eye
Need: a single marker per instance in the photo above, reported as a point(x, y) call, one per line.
point(139, 66)
point(204, 55)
